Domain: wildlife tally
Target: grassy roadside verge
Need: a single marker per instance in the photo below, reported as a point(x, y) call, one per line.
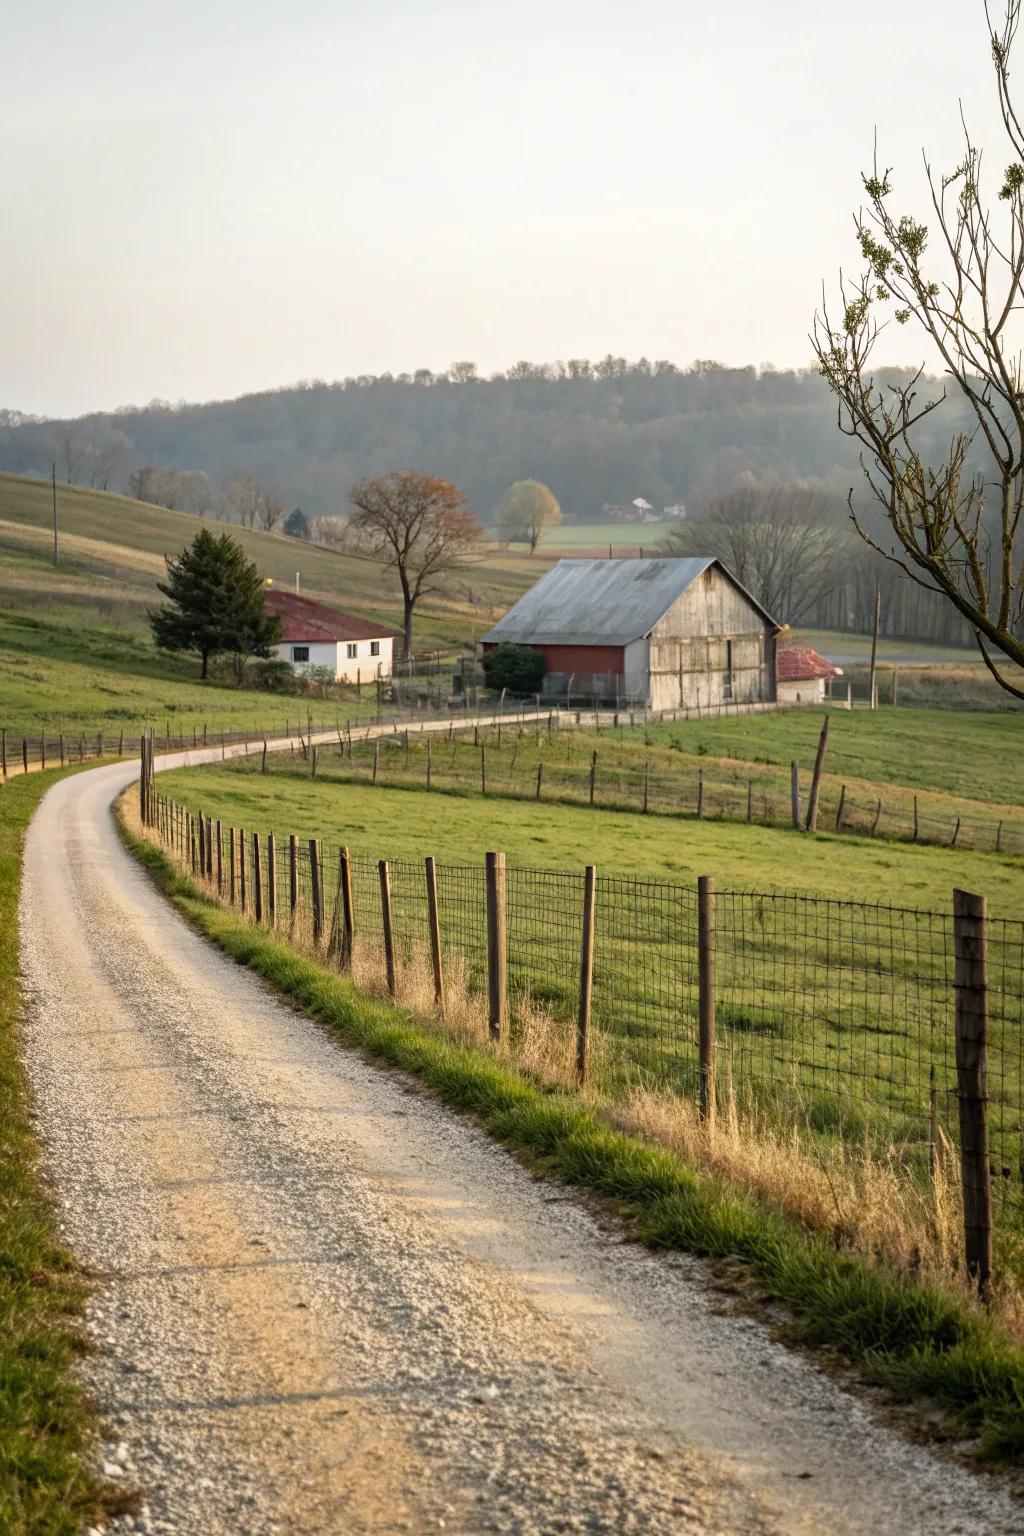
point(47, 1426)
point(915, 1339)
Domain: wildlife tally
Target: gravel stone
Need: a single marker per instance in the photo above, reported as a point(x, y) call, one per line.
point(326, 1304)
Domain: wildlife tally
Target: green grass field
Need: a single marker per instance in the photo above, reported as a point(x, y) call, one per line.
point(596, 538)
point(103, 679)
point(410, 823)
point(976, 756)
point(835, 1013)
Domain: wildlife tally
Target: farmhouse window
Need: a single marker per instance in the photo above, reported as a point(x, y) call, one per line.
point(374, 647)
point(300, 653)
point(351, 649)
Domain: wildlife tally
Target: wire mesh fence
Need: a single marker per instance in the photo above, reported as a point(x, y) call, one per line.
point(840, 1017)
point(520, 760)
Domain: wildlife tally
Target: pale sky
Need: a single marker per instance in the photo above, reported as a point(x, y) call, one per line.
point(204, 198)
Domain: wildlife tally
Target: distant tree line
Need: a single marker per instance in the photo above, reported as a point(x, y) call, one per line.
point(754, 454)
point(595, 433)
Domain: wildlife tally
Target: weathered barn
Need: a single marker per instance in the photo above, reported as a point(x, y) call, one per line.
point(670, 633)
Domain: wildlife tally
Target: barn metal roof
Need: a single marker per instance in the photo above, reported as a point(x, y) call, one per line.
point(601, 602)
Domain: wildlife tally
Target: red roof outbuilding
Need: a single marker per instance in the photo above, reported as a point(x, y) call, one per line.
point(313, 623)
point(799, 664)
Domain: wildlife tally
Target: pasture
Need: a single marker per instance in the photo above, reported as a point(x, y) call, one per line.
point(458, 827)
point(835, 1000)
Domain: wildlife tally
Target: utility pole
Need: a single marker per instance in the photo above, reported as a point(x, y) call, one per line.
point(53, 481)
point(874, 647)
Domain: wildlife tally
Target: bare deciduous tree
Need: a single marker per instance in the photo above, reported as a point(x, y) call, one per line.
point(781, 542)
point(254, 504)
point(419, 526)
point(956, 532)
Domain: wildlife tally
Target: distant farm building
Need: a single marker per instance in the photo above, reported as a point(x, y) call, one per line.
point(804, 677)
point(668, 633)
point(314, 635)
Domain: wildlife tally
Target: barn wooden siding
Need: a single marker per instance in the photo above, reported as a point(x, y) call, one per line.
point(689, 648)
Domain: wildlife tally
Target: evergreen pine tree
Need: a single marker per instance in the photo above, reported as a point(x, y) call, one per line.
point(217, 603)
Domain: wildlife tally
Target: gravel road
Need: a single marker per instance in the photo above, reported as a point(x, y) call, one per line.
point(325, 1305)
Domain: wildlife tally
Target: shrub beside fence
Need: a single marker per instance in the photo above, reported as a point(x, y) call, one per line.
point(893, 1029)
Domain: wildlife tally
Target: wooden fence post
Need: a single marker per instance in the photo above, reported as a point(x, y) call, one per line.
point(483, 769)
point(24, 754)
point(540, 777)
point(257, 879)
point(376, 759)
point(917, 823)
point(263, 764)
point(202, 845)
point(593, 775)
point(794, 792)
point(700, 792)
point(232, 872)
point(241, 869)
point(220, 857)
point(60, 741)
point(970, 947)
point(434, 921)
point(348, 919)
point(878, 817)
point(586, 974)
point(839, 811)
point(819, 764)
point(384, 874)
point(706, 997)
point(497, 947)
point(430, 762)
point(316, 888)
point(3, 751)
point(647, 785)
point(271, 880)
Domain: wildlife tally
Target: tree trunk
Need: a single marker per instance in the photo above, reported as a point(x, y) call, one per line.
point(407, 627)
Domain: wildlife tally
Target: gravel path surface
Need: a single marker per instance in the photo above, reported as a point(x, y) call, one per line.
point(327, 1305)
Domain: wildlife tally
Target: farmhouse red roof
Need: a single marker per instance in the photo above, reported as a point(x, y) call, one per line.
point(799, 664)
point(313, 623)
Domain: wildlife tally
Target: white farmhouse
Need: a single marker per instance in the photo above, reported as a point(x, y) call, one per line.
point(313, 635)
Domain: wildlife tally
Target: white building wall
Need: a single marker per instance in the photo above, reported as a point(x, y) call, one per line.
point(362, 665)
point(321, 654)
point(809, 691)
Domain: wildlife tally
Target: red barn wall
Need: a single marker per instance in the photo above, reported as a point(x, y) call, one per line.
point(584, 660)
